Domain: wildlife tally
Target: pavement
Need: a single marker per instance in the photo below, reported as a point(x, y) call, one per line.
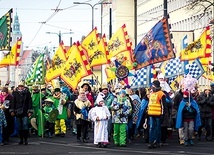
point(68, 145)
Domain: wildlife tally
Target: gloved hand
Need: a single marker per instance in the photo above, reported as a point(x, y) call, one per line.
point(122, 115)
point(121, 106)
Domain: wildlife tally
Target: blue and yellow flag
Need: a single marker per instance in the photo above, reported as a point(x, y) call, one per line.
point(58, 63)
point(12, 58)
point(5, 30)
point(156, 45)
point(76, 67)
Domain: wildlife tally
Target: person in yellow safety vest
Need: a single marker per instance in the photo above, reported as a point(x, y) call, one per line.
point(155, 109)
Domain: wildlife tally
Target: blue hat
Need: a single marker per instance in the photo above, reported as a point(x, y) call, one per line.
point(123, 92)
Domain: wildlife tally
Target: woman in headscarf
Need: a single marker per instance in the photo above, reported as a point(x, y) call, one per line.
point(81, 108)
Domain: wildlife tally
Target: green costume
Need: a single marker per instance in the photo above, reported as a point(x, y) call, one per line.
point(38, 112)
point(60, 126)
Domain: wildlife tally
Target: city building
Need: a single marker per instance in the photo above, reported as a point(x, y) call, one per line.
point(184, 18)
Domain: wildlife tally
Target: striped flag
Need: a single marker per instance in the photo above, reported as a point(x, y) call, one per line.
point(36, 73)
point(12, 58)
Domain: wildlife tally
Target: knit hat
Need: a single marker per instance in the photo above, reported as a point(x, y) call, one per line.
point(156, 83)
point(5, 89)
point(123, 92)
point(100, 98)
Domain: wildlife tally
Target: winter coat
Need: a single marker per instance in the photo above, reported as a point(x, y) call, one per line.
point(204, 102)
point(9, 118)
point(121, 109)
point(22, 99)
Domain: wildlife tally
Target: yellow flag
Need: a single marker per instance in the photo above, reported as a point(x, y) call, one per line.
point(76, 67)
point(208, 74)
point(110, 71)
point(175, 83)
point(124, 58)
point(197, 49)
point(58, 62)
point(208, 56)
point(91, 47)
point(12, 58)
point(119, 42)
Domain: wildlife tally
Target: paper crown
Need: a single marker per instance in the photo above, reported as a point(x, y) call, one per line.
point(21, 83)
point(43, 86)
point(104, 86)
point(35, 87)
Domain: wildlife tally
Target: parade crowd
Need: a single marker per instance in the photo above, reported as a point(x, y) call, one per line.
point(114, 114)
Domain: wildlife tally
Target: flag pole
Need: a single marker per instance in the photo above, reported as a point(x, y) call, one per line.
point(40, 100)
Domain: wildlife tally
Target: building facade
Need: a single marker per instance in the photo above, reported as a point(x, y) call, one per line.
point(183, 19)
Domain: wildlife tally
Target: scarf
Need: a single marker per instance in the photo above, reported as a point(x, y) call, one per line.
point(4, 96)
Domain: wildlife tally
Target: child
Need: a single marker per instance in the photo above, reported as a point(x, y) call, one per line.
point(49, 124)
point(100, 115)
point(188, 117)
point(3, 123)
point(121, 110)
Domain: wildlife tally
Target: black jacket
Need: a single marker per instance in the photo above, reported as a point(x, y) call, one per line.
point(205, 105)
point(22, 99)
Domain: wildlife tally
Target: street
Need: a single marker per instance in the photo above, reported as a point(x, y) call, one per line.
point(69, 145)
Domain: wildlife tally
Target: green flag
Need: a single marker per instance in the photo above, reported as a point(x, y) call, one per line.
point(5, 30)
point(36, 73)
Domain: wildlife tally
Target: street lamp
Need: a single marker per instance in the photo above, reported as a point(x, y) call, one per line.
point(59, 34)
point(92, 21)
point(92, 9)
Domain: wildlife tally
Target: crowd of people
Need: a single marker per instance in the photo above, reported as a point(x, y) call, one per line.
point(119, 115)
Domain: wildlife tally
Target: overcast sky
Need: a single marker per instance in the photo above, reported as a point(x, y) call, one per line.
point(37, 17)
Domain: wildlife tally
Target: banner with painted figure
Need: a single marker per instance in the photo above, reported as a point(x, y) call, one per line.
point(198, 48)
point(57, 64)
point(124, 59)
point(119, 42)
point(5, 30)
point(156, 45)
point(91, 47)
point(12, 57)
point(76, 67)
